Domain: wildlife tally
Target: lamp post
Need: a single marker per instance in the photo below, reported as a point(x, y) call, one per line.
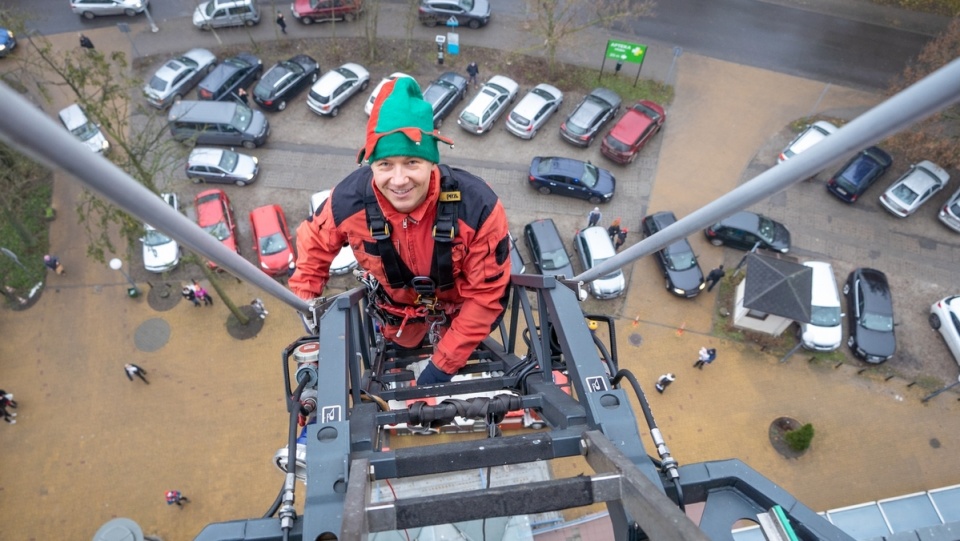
point(117, 265)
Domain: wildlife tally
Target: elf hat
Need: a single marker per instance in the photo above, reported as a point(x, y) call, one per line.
point(401, 124)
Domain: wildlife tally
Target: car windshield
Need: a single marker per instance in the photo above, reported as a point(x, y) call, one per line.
point(766, 229)
point(876, 322)
point(855, 174)
point(242, 118)
point(158, 83)
point(466, 4)
point(228, 162)
point(85, 131)
point(211, 7)
point(615, 143)
point(155, 238)
point(679, 258)
point(554, 260)
point(218, 230)
point(273, 244)
point(647, 111)
point(469, 118)
point(825, 316)
point(543, 94)
point(590, 175)
point(904, 193)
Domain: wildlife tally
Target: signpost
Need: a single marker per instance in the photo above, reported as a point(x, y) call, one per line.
point(624, 51)
point(453, 38)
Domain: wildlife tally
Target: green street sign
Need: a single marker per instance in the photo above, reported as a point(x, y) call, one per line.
point(624, 51)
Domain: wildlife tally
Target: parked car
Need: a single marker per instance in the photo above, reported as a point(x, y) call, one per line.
point(487, 106)
point(218, 123)
point(533, 111)
point(914, 188)
point(637, 126)
point(585, 121)
point(177, 76)
point(336, 87)
point(160, 252)
point(77, 123)
point(871, 324)
point(444, 94)
point(222, 13)
point(234, 73)
point(271, 239)
point(811, 135)
point(595, 247)
point(745, 229)
point(344, 261)
point(950, 213)
point(823, 332)
point(221, 166)
point(368, 107)
point(470, 13)
point(282, 82)
point(94, 8)
point(677, 261)
point(8, 42)
point(945, 317)
point(215, 216)
point(550, 257)
point(311, 11)
point(853, 179)
point(572, 178)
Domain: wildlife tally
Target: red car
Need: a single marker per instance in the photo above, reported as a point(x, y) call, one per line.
point(272, 237)
point(638, 125)
point(215, 216)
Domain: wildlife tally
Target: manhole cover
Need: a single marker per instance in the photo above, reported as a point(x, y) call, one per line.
point(935, 443)
point(635, 339)
point(152, 335)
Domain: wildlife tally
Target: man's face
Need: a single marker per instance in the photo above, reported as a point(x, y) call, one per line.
point(403, 180)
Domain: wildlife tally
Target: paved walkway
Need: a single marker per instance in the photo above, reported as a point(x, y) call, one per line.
point(90, 445)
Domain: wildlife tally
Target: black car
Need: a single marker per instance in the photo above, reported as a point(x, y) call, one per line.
point(594, 110)
point(870, 307)
point(677, 261)
point(572, 178)
point(745, 229)
point(229, 77)
point(859, 173)
point(284, 81)
point(471, 13)
point(444, 94)
point(549, 255)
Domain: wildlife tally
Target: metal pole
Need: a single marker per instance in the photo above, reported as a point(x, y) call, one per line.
point(925, 97)
point(116, 264)
point(945, 389)
point(153, 25)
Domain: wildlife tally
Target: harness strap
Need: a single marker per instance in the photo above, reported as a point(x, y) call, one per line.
point(398, 274)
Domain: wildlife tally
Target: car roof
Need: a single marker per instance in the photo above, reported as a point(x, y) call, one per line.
point(73, 116)
point(503, 82)
point(823, 289)
point(923, 176)
point(266, 219)
point(328, 83)
point(598, 241)
point(531, 102)
point(566, 166)
point(630, 126)
point(606, 95)
point(205, 156)
point(546, 230)
point(208, 206)
point(661, 219)
point(877, 291)
point(742, 220)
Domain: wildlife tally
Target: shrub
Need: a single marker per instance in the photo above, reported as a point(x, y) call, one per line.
point(799, 439)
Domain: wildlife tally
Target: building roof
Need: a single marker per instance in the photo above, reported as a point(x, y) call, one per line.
point(778, 287)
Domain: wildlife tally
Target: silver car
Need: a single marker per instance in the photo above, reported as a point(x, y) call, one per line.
point(487, 106)
point(336, 87)
point(534, 110)
point(345, 261)
point(92, 8)
point(594, 247)
point(77, 123)
point(950, 213)
point(222, 166)
point(914, 188)
point(177, 76)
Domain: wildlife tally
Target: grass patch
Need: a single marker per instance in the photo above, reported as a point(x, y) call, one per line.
point(946, 8)
point(24, 232)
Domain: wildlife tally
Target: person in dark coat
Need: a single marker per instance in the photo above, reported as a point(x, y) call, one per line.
point(473, 70)
point(281, 22)
point(713, 278)
point(85, 42)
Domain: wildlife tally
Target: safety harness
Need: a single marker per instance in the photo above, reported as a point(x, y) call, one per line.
point(399, 275)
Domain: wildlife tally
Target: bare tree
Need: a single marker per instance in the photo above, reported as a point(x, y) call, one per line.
point(556, 21)
point(372, 9)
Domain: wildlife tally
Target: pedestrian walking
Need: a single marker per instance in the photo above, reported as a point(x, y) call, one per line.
point(473, 70)
point(85, 42)
point(242, 94)
point(176, 497)
point(257, 305)
point(134, 370)
point(664, 381)
point(281, 23)
point(8, 416)
point(191, 295)
point(52, 262)
point(714, 276)
point(594, 217)
point(614, 229)
point(6, 400)
point(707, 356)
point(202, 294)
point(621, 238)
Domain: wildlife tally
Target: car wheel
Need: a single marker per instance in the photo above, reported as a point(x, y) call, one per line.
point(430, 22)
point(590, 140)
point(544, 190)
point(197, 180)
point(632, 157)
point(716, 242)
point(335, 112)
point(349, 17)
point(129, 12)
point(666, 284)
point(595, 200)
point(364, 85)
point(241, 183)
point(934, 320)
point(851, 343)
point(846, 289)
point(306, 20)
point(249, 145)
point(282, 105)
point(249, 22)
point(88, 15)
point(474, 24)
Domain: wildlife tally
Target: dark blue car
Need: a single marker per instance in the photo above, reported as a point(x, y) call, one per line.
point(850, 182)
point(7, 42)
point(572, 178)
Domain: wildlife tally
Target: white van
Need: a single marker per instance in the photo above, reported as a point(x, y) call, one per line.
point(824, 332)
